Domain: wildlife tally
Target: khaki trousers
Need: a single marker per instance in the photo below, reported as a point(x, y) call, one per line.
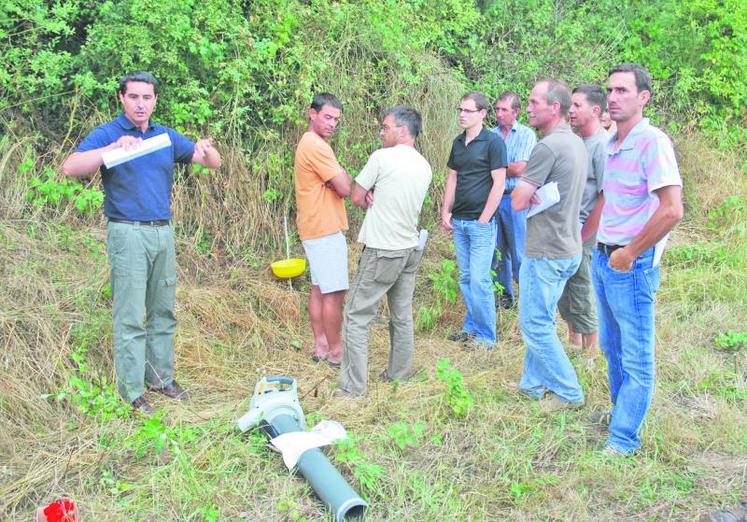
point(143, 277)
point(380, 272)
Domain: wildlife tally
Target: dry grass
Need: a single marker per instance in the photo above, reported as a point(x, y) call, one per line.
point(503, 461)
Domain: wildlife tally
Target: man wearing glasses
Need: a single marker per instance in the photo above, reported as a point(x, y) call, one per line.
point(389, 262)
point(474, 186)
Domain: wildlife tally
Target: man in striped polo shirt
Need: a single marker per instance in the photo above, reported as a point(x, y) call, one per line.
point(642, 194)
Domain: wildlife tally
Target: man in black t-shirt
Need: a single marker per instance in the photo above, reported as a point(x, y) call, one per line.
point(474, 185)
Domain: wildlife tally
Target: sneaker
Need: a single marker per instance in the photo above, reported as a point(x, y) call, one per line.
point(609, 451)
point(332, 364)
point(173, 391)
point(601, 417)
point(506, 302)
point(551, 403)
point(341, 394)
point(384, 376)
point(460, 337)
point(142, 406)
point(472, 345)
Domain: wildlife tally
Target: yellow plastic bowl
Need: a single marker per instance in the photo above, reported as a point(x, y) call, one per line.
point(287, 268)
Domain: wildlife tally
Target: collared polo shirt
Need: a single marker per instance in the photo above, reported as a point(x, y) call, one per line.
point(473, 163)
point(519, 144)
point(139, 189)
point(644, 163)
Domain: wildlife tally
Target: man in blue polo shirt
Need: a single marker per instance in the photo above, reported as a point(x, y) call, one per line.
point(474, 185)
point(511, 224)
point(140, 239)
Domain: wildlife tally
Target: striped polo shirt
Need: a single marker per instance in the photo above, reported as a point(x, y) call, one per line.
point(519, 144)
point(643, 163)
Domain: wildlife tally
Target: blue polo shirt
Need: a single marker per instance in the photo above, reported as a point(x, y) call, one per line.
point(473, 163)
point(519, 144)
point(139, 189)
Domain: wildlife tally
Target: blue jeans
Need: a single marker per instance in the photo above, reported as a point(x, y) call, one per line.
point(474, 244)
point(546, 365)
point(626, 336)
point(510, 241)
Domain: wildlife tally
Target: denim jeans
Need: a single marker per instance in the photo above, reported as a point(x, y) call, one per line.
point(546, 365)
point(510, 241)
point(626, 336)
point(474, 244)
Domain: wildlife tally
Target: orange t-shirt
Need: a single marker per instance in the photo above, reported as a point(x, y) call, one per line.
point(320, 211)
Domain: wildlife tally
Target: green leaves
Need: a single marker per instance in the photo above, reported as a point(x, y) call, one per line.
point(457, 397)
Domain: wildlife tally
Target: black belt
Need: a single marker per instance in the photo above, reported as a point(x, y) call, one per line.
point(156, 223)
point(608, 249)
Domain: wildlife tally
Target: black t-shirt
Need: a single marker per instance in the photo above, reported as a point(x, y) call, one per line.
point(473, 164)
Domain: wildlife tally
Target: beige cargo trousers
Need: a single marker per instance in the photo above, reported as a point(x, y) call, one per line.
point(380, 272)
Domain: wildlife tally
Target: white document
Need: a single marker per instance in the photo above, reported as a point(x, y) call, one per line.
point(548, 195)
point(117, 156)
point(659, 250)
point(292, 445)
point(422, 239)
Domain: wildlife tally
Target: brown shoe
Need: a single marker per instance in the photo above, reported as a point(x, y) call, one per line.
point(141, 405)
point(174, 391)
point(551, 403)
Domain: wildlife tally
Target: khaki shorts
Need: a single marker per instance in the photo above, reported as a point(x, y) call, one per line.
point(578, 303)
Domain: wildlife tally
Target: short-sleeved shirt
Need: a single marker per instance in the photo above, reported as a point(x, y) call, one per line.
point(596, 146)
point(320, 211)
point(519, 141)
point(400, 176)
point(139, 189)
point(644, 163)
point(561, 157)
point(473, 164)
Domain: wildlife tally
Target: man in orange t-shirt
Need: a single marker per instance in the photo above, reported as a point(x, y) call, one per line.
point(321, 186)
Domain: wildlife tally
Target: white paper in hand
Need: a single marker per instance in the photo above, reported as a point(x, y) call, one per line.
point(548, 195)
point(117, 156)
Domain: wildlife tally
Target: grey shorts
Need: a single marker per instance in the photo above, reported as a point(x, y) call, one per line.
point(328, 262)
point(578, 303)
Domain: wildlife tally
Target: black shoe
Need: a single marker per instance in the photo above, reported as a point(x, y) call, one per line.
point(460, 337)
point(506, 302)
point(141, 405)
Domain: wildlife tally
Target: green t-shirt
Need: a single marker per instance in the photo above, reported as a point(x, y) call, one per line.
point(560, 156)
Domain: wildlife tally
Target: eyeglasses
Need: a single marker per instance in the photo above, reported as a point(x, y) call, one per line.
point(468, 111)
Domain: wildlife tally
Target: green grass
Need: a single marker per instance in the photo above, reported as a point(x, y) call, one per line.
point(453, 443)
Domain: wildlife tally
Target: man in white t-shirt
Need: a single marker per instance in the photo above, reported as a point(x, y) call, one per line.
point(400, 177)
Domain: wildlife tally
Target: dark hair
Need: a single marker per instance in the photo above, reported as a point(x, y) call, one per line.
point(140, 76)
point(594, 95)
point(642, 76)
point(515, 100)
point(557, 91)
point(407, 117)
point(325, 98)
point(481, 101)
